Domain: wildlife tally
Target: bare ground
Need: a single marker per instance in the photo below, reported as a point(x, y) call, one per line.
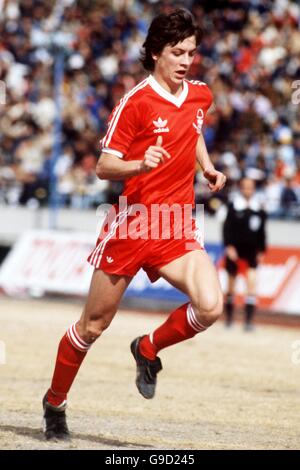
point(221, 390)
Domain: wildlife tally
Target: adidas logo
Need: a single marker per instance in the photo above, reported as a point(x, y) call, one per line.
point(160, 125)
point(109, 259)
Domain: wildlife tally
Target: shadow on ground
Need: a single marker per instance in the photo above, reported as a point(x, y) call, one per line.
point(38, 435)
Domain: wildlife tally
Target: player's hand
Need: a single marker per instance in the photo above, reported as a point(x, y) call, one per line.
point(154, 156)
point(231, 253)
point(216, 179)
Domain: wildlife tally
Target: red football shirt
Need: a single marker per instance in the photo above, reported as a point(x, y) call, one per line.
point(143, 114)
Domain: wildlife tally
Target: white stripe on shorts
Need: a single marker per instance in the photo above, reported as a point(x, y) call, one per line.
point(98, 251)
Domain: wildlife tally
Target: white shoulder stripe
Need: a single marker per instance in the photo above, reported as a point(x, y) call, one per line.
point(112, 125)
point(197, 82)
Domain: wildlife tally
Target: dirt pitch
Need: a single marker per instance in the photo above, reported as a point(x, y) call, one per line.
point(221, 390)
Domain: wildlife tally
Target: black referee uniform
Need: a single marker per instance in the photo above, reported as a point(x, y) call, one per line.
point(244, 229)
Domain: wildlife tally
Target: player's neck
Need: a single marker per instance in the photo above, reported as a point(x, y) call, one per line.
point(174, 89)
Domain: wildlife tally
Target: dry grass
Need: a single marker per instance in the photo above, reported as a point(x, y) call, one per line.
point(221, 390)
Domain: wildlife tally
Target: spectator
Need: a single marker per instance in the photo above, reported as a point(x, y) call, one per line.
point(288, 200)
point(249, 56)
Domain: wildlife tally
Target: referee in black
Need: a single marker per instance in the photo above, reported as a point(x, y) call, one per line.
point(244, 239)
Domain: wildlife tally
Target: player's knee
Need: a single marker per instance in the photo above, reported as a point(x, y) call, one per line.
point(209, 310)
point(93, 330)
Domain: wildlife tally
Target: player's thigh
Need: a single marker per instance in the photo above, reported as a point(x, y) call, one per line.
point(195, 275)
point(105, 293)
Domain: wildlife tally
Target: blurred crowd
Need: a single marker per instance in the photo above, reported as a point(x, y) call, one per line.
point(249, 56)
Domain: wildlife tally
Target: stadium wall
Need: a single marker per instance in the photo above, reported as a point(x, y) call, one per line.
point(47, 261)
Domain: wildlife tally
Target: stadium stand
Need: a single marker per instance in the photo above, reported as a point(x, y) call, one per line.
point(249, 56)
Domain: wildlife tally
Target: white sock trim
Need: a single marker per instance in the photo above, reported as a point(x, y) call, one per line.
point(75, 339)
point(251, 299)
point(192, 319)
point(63, 405)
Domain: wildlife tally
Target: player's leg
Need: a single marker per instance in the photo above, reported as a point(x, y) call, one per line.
point(104, 296)
point(195, 275)
point(102, 302)
point(231, 269)
point(103, 299)
point(250, 303)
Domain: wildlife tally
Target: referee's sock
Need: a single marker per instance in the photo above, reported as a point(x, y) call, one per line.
point(250, 308)
point(71, 352)
point(229, 308)
point(181, 324)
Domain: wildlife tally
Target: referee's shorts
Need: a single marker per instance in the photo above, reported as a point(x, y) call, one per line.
point(247, 258)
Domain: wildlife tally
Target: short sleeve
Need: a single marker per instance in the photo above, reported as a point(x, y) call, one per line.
point(122, 129)
point(207, 97)
point(204, 99)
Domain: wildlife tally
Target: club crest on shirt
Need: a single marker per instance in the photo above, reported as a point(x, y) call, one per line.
point(199, 121)
point(161, 125)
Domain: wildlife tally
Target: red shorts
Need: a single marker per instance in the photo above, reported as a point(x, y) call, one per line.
point(129, 242)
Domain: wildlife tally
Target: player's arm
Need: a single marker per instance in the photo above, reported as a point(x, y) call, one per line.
point(111, 167)
point(215, 178)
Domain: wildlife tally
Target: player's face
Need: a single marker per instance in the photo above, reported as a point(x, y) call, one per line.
point(247, 188)
point(173, 63)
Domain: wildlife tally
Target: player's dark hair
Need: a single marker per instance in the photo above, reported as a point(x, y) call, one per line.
point(168, 29)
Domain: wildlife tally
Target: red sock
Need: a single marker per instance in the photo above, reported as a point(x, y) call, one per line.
point(71, 352)
point(180, 325)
